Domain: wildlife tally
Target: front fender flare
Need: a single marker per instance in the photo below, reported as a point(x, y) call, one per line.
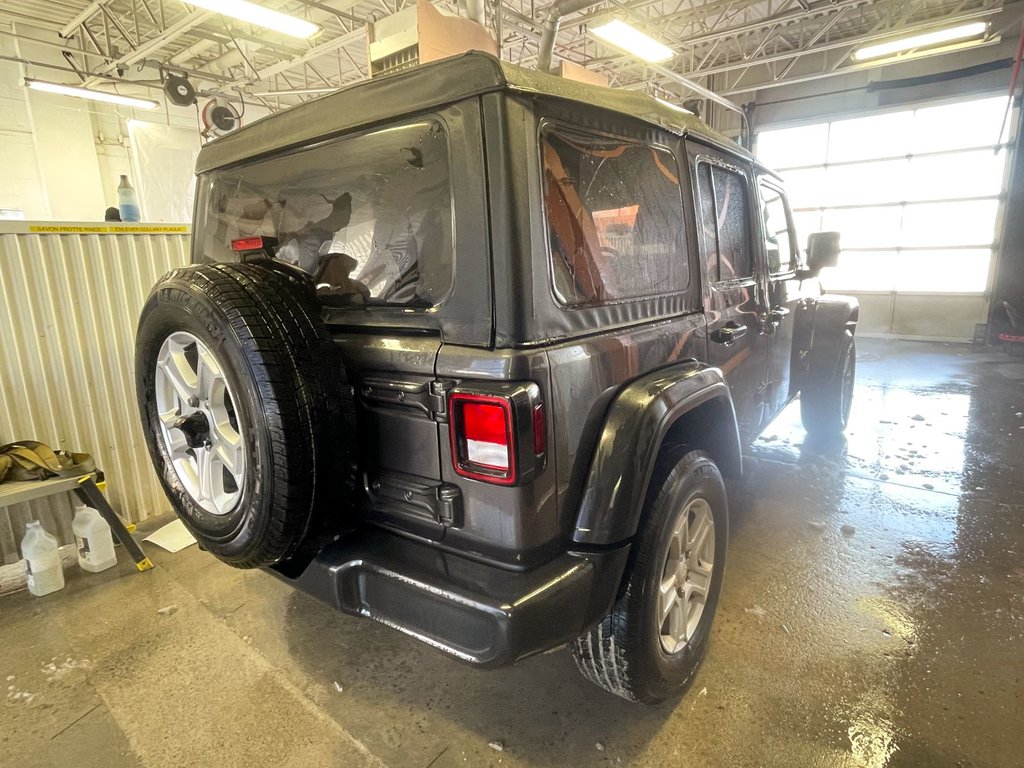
point(639, 418)
point(833, 316)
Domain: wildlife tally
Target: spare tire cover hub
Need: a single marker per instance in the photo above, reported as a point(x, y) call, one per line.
point(199, 425)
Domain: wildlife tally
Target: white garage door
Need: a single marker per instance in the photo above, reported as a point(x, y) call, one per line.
point(915, 194)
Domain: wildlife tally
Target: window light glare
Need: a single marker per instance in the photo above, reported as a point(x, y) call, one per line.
point(88, 93)
point(260, 16)
point(630, 40)
point(948, 35)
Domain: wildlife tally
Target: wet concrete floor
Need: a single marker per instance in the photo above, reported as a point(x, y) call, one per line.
point(872, 615)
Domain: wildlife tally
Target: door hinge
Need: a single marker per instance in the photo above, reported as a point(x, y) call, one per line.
point(439, 399)
point(429, 397)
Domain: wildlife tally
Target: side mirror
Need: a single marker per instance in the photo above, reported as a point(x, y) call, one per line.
point(822, 251)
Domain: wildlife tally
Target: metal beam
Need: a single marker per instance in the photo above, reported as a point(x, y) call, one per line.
point(769, 21)
point(154, 44)
point(69, 29)
point(851, 68)
point(315, 52)
point(845, 43)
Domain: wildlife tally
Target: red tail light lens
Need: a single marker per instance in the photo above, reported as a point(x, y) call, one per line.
point(482, 438)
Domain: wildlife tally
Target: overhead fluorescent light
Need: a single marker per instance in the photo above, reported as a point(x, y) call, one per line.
point(939, 36)
point(88, 93)
point(260, 16)
point(627, 39)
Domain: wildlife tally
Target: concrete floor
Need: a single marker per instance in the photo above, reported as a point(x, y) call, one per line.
point(872, 615)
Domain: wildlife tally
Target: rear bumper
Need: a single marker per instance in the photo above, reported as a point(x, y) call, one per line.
point(478, 613)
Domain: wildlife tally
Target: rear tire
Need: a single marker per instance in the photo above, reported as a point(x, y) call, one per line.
point(633, 651)
point(826, 399)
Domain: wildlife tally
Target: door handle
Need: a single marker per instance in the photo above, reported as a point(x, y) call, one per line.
point(728, 333)
point(777, 313)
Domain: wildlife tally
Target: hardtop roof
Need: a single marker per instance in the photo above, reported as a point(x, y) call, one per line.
point(430, 86)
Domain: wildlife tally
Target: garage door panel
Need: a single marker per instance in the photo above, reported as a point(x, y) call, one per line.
point(793, 147)
point(963, 124)
point(865, 227)
point(949, 224)
point(804, 188)
point(864, 184)
point(863, 138)
point(942, 271)
point(947, 177)
point(861, 271)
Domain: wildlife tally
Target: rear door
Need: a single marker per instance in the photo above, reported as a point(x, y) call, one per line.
point(734, 285)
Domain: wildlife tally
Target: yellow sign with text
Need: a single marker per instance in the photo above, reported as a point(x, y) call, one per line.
point(80, 229)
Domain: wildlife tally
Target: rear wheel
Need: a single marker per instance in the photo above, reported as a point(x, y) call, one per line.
point(649, 647)
point(826, 400)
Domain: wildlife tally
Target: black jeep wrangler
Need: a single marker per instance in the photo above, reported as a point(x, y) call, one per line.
point(468, 350)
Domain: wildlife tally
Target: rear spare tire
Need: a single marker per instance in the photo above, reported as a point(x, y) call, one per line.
point(243, 404)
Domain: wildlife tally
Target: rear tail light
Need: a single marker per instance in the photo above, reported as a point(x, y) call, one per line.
point(483, 438)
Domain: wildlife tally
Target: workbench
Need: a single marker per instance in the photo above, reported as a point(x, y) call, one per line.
point(85, 488)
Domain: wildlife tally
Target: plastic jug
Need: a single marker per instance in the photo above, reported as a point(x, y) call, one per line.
point(92, 535)
point(42, 559)
point(127, 202)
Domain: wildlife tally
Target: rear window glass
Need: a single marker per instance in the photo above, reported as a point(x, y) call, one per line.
point(725, 215)
point(615, 219)
point(369, 217)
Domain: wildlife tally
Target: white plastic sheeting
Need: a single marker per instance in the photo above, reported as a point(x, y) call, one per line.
point(165, 157)
point(70, 296)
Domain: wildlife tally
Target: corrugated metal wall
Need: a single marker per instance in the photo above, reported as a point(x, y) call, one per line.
point(70, 297)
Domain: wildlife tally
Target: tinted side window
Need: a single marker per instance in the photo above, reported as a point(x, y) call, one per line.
point(615, 219)
point(725, 214)
point(778, 244)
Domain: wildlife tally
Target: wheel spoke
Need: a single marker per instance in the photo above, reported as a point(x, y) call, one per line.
point(168, 417)
point(182, 378)
point(205, 462)
point(701, 530)
point(677, 622)
point(177, 447)
point(228, 446)
point(681, 535)
point(700, 572)
point(667, 598)
point(209, 375)
point(698, 583)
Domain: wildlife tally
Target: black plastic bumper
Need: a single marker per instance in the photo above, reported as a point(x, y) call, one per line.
point(479, 613)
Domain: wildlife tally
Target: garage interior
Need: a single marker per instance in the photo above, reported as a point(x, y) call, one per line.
point(873, 610)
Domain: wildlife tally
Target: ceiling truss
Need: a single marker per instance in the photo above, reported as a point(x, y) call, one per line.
point(731, 47)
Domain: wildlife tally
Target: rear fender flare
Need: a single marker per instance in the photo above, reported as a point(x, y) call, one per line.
point(627, 448)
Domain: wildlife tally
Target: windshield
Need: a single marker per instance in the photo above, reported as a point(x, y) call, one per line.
point(369, 217)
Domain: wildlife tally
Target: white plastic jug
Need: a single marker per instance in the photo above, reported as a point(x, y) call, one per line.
point(95, 544)
point(42, 560)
